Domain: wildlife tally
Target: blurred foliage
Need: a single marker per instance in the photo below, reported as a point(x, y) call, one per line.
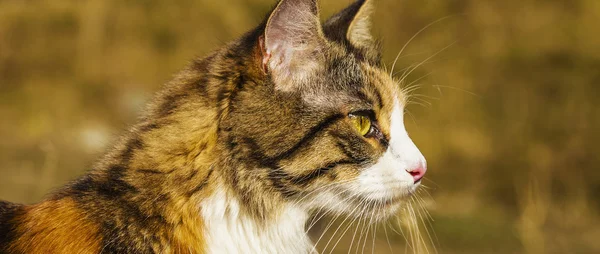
point(507, 115)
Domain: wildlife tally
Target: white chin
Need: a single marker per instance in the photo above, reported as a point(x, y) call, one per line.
point(379, 203)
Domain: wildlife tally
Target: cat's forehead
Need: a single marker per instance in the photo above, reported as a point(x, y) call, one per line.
point(347, 82)
point(348, 85)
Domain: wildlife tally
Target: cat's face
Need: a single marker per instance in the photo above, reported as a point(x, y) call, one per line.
point(363, 162)
point(328, 125)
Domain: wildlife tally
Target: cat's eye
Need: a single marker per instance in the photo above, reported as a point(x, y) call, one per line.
point(362, 124)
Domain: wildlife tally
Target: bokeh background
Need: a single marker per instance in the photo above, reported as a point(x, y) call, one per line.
point(507, 115)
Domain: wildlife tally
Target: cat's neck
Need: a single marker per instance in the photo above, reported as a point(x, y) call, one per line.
point(230, 230)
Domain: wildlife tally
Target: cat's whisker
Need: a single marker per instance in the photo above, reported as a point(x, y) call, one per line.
point(425, 203)
point(429, 180)
point(325, 230)
point(364, 227)
point(404, 76)
point(412, 117)
point(326, 212)
point(415, 36)
point(328, 185)
point(339, 228)
point(417, 216)
point(419, 101)
point(419, 210)
point(412, 229)
point(379, 208)
point(428, 194)
point(425, 96)
point(343, 234)
point(411, 88)
point(401, 233)
point(360, 219)
point(415, 223)
point(387, 238)
point(361, 234)
point(393, 73)
point(369, 225)
point(422, 203)
point(458, 89)
point(409, 227)
point(426, 187)
point(417, 80)
point(415, 100)
point(334, 219)
point(429, 219)
point(405, 69)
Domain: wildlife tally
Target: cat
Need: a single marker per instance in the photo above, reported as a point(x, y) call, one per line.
point(238, 151)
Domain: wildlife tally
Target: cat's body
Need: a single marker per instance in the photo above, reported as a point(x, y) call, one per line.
point(238, 151)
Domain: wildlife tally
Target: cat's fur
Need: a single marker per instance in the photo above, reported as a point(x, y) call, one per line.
point(240, 148)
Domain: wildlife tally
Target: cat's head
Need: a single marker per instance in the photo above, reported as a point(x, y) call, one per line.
point(323, 125)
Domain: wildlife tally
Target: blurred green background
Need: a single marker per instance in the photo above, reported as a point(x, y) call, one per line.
point(507, 116)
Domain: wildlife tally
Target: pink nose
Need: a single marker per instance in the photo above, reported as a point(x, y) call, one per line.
point(418, 173)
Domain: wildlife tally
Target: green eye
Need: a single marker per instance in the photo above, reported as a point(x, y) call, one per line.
point(361, 123)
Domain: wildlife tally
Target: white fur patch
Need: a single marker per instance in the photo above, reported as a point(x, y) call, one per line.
point(230, 231)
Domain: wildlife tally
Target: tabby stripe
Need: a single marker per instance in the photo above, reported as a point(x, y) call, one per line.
point(349, 153)
point(202, 184)
point(363, 96)
point(307, 138)
point(314, 174)
point(154, 172)
point(276, 176)
point(346, 148)
point(274, 173)
point(170, 104)
point(378, 96)
point(149, 127)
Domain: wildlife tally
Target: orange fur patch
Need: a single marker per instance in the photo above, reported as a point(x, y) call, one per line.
point(56, 226)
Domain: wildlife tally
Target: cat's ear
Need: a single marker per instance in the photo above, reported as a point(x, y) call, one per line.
point(353, 25)
point(293, 42)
